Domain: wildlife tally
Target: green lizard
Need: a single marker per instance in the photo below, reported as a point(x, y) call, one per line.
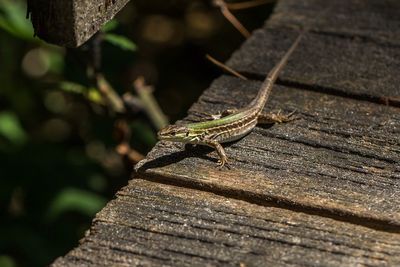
point(231, 124)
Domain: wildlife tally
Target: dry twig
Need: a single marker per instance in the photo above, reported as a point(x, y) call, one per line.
point(232, 19)
point(150, 105)
point(123, 148)
point(225, 67)
point(112, 98)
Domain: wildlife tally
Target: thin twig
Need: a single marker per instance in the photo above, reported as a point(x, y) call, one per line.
point(124, 136)
point(114, 100)
point(145, 93)
point(115, 103)
point(248, 4)
point(232, 19)
point(125, 150)
point(132, 103)
point(225, 67)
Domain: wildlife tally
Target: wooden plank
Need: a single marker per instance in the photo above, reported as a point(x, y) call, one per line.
point(334, 63)
point(152, 224)
point(342, 157)
point(374, 20)
point(70, 23)
point(319, 191)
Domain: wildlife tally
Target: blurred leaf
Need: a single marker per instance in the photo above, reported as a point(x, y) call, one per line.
point(13, 20)
point(6, 261)
point(109, 26)
point(92, 94)
point(11, 128)
point(6, 25)
point(71, 87)
point(55, 58)
point(72, 199)
point(120, 41)
point(95, 96)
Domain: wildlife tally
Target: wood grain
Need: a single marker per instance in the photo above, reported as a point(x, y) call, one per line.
point(342, 156)
point(322, 190)
point(373, 20)
point(70, 23)
point(151, 224)
point(352, 48)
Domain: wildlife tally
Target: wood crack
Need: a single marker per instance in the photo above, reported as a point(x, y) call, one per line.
point(381, 100)
point(273, 201)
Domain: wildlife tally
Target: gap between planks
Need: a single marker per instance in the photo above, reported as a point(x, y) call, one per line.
point(386, 101)
point(257, 71)
point(273, 202)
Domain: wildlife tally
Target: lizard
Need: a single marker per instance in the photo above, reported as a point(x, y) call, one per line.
point(232, 124)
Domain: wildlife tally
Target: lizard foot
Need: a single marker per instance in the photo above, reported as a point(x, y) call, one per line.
point(223, 162)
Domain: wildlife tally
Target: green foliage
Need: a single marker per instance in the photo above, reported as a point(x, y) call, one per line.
point(6, 261)
point(52, 130)
point(12, 20)
point(11, 129)
point(120, 41)
point(92, 94)
point(110, 26)
point(73, 199)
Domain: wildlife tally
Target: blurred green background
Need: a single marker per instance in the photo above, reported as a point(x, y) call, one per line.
point(58, 159)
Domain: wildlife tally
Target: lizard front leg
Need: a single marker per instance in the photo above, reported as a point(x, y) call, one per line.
point(223, 159)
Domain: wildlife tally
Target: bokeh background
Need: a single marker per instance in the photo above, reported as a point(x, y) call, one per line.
point(58, 159)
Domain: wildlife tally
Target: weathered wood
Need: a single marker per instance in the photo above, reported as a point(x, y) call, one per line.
point(347, 52)
point(71, 22)
point(342, 156)
point(327, 63)
point(152, 224)
point(373, 20)
point(319, 191)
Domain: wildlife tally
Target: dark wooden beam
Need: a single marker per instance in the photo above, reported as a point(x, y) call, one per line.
point(70, 23)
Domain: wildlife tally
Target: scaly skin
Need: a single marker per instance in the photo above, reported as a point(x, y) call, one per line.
point(232, 124)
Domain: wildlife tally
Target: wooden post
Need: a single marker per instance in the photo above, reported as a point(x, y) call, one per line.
point(71, 22)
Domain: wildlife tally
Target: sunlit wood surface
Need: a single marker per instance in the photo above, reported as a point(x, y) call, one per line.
point(323, 190)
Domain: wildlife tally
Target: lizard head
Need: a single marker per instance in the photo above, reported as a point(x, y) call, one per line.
point(175, 133)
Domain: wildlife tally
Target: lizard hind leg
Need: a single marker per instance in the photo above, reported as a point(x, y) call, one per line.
point(270, 118)
point(224, 113)
point(209, 116)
